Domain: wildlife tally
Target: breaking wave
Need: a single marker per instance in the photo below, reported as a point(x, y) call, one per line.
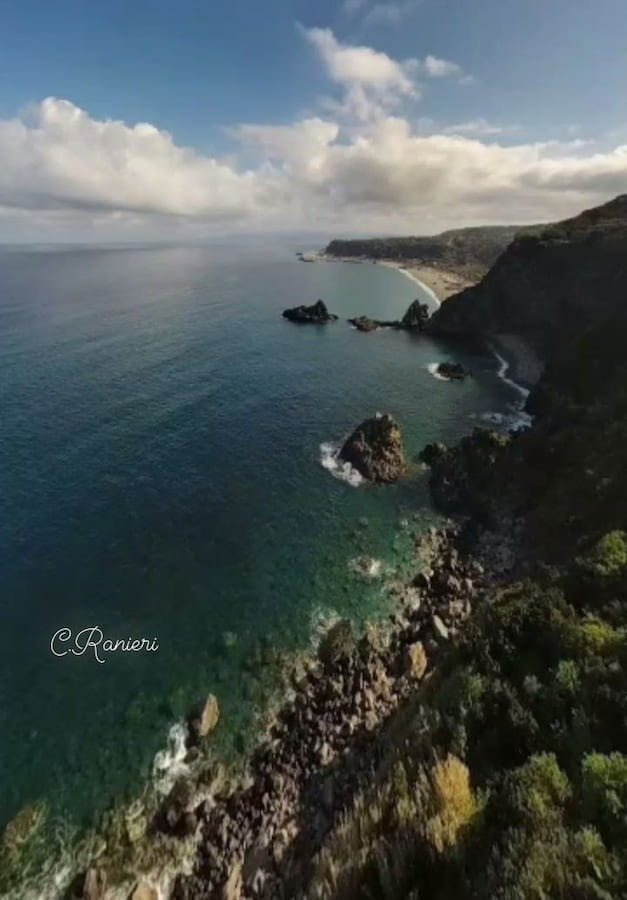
point(330, 460)
point(433, 370)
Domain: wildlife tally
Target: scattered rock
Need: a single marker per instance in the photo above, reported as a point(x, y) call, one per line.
point(375, 449)
point(415, 660)
point(316, 314)
point(338, 643)
point(204, 723)
point(363, 323)
point(175, 816)
point(144, 891)
point(440, 628)
point(233, 888)
point(95, 884)
point(452, 371)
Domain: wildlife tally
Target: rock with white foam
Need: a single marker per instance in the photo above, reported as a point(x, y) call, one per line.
point(375, 449)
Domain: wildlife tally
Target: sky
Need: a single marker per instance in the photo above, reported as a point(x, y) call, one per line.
point(146, 120)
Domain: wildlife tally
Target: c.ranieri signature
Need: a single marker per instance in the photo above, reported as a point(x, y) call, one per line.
point(92, 639)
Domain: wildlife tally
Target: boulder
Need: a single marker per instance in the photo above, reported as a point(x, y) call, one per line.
point(337, 644)
point(232, 889)
point(207, 718)
point(440, 628)
point(95, 884)
point(175, 816)
point(363, 323)
point(452, 371)
point(144, 891)
point(317, 314)
point(415, 660)
point(416, 316)
point(375, 449)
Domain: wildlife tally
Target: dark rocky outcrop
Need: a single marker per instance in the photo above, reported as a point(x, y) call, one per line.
point(416, 316)
point(548, 286)
point(452, 371)
point(363, 323)
point(375, 449)
point(317, 314)
point(462, 475)
point(415, 319)
point(259, 834)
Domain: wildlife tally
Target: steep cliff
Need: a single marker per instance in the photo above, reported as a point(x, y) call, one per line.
point(548, 287)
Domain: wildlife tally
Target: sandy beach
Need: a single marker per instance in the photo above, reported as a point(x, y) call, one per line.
point(442, 283)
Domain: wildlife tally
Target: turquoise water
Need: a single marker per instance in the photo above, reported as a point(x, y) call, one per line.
point(160, 475)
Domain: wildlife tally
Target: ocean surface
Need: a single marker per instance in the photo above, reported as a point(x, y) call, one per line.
point(163, 441)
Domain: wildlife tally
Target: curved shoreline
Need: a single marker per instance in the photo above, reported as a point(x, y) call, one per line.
point(409, 274)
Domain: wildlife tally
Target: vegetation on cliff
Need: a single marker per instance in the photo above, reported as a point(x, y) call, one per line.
point(468, 251)
point(528, 713)
point(548, 285)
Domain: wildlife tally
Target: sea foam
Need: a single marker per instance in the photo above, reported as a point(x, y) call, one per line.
point(169, 764)
point(433, 370)
point(330, 460)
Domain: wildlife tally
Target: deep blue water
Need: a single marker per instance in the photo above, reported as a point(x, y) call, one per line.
point(160, 476)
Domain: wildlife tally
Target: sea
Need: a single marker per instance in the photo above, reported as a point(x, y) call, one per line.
point(168, 471)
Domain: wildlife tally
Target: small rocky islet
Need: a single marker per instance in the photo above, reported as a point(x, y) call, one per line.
point(452, 371)
point(316, 314)
point(415, 319)
point(375, 449)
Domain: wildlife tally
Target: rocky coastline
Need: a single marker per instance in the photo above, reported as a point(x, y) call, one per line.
point(253, 834)
point(258, 835)
point(541, 538)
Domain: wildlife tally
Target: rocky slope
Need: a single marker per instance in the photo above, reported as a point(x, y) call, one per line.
point(549, 286)
point(469, 251)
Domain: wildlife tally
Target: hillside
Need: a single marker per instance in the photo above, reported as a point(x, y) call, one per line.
point(547, 287)
point(467, 251)
point(517, 786)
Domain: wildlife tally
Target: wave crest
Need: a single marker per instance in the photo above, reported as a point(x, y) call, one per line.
point(433, 370)
point(330, 460)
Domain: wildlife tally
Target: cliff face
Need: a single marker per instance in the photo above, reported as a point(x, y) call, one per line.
point(470, 251)
point(548, 287)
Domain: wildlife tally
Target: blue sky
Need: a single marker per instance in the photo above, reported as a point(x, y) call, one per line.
point(478, 76)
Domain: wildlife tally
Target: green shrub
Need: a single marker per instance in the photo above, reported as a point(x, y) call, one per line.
point(604, 789)
point(608, 558)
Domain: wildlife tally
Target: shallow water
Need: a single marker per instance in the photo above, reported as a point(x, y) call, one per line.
point(161, 475)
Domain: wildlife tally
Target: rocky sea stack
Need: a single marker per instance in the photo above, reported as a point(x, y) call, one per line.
point(317, 314)
point(375, 449)
point(416, 316)
point(452, 371)
point(363, 323)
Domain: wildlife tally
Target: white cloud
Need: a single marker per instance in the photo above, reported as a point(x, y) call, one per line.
point(372, 81)
point(480, 127)
point(58, 157)
point(349, 65)
point(364, 167)
point(440, 68)
point(390, 13)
